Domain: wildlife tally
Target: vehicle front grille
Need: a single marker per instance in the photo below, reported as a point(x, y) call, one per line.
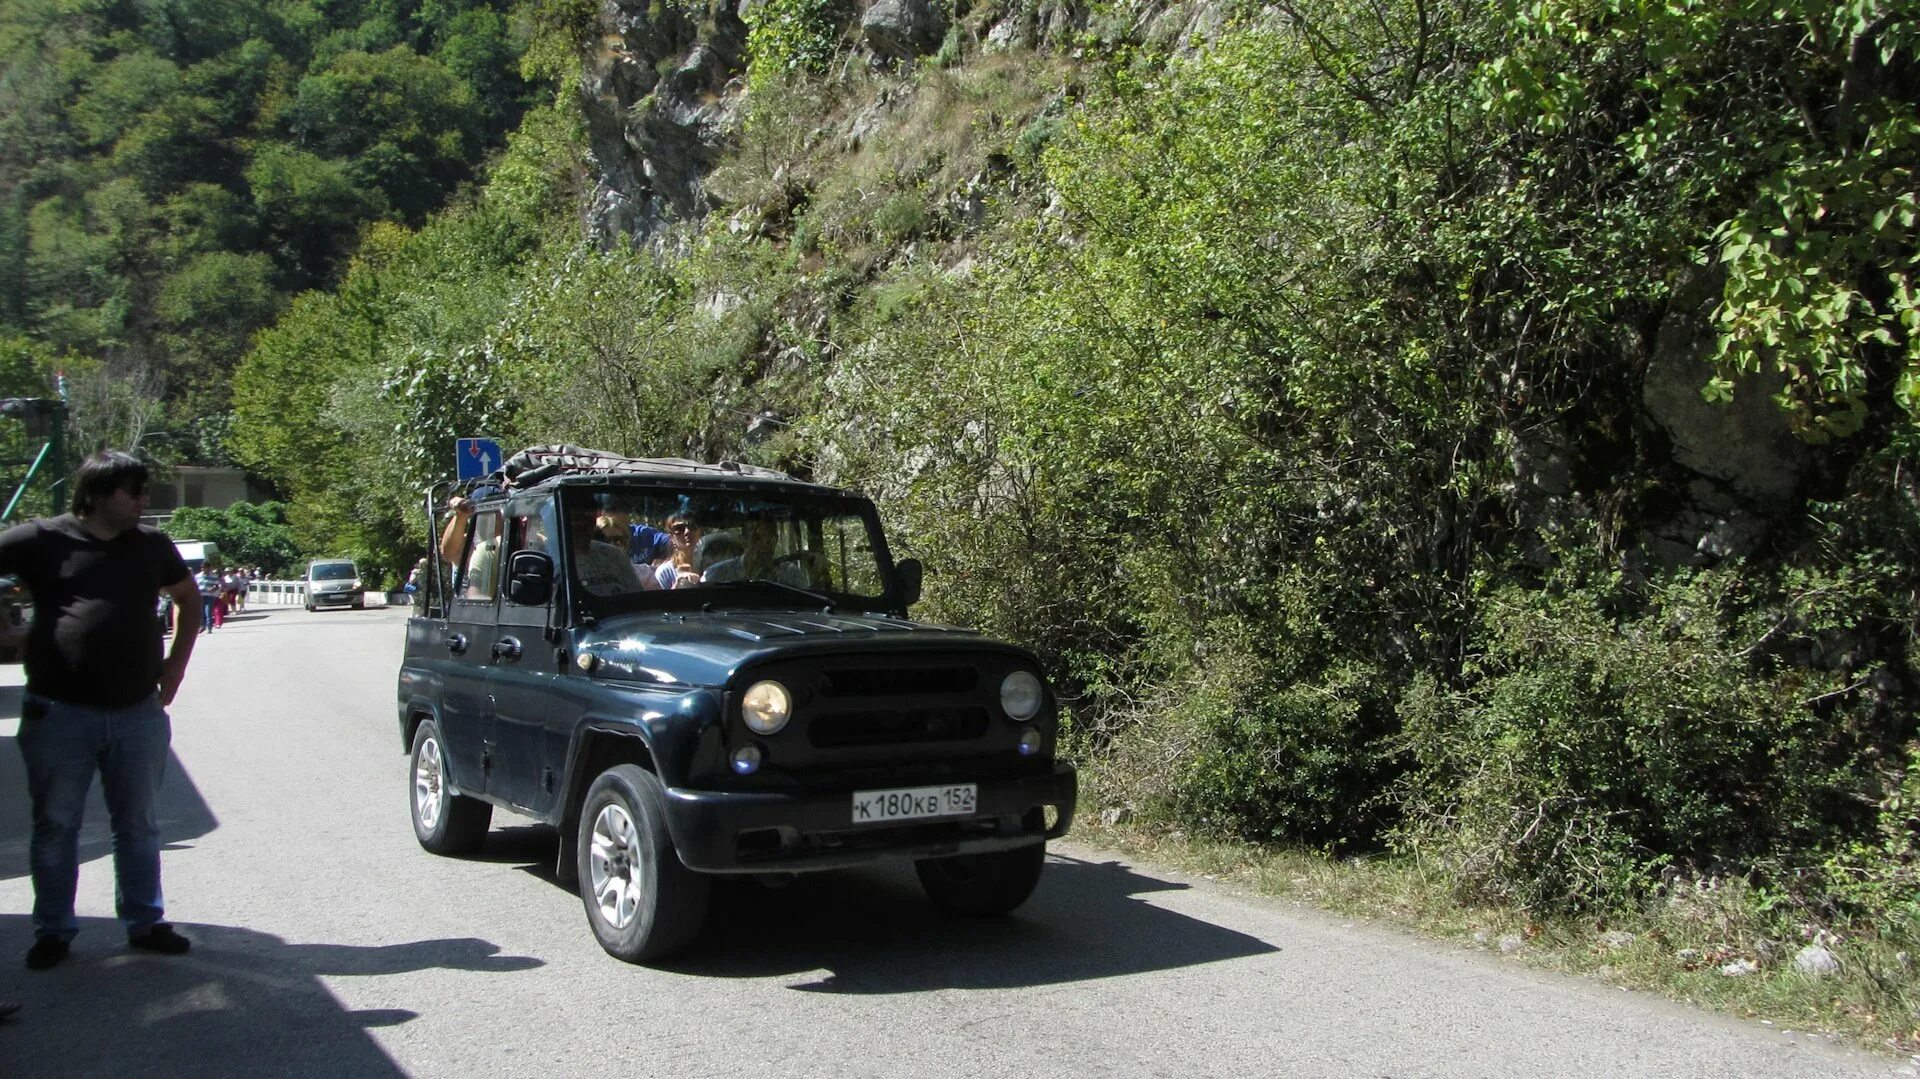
point(926, 704)
point(892, 726)
point(889, 681)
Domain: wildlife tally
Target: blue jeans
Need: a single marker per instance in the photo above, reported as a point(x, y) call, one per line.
point(206, 612)
point(63, 745)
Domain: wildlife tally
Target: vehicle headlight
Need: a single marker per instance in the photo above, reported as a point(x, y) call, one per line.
point(355, 585)
point(767, 707)
point(1020, 695)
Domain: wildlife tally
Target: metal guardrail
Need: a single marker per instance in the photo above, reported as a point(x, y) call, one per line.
point(294, 594)
point(277, 593)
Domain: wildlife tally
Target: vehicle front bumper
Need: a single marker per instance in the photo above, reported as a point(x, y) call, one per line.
point(761, 832)
point(322, 599)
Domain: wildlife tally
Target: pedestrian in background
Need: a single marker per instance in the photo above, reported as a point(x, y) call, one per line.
point(96, 696)
point(209, 587)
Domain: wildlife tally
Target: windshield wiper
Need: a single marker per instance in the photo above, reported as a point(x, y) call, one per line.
point(817, 597)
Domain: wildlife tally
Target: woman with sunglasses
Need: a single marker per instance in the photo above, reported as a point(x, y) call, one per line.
point(677, 570)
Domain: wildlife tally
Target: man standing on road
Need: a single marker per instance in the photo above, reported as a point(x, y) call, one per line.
point(96, 697)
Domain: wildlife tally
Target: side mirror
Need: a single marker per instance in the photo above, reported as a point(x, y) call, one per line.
point(909, 572)
point(529, 579)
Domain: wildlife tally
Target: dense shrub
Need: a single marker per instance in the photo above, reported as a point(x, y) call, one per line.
point(1586, 752)
point(1295, 760)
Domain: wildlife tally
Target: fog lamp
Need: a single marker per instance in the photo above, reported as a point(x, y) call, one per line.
point(1029, 742)
point(746, 760)
point(766, 706)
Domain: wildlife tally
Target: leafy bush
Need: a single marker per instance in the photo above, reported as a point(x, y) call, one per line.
point(247, 534)
point(791, 37)
point(1294, 760)
point(1585, 753)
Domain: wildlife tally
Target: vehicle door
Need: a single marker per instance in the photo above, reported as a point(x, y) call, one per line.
point(466, 697)
point(533, 717)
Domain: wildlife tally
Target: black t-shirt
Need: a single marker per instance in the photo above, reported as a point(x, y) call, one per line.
point(96, 635)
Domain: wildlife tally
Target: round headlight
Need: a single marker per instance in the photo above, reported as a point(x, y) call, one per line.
point(766, 707)
point(1020, 694)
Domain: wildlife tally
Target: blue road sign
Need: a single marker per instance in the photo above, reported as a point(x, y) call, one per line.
point(475, 457)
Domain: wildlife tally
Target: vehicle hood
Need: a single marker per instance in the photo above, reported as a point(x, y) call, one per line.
point(706, 648)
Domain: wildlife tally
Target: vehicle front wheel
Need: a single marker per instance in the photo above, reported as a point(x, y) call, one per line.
point(982, 885)
point(443, 822)
point(642, 903)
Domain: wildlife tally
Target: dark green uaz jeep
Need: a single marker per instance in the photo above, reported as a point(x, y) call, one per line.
point(701, 669)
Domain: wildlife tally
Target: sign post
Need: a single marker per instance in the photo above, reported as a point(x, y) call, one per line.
point(474, 458)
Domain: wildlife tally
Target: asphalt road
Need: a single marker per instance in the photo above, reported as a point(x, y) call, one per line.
point(327, 943)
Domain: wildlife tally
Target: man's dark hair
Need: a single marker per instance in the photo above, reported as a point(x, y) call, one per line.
point(104, 473)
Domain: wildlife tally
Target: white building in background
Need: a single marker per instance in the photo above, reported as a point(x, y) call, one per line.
point(192, 485)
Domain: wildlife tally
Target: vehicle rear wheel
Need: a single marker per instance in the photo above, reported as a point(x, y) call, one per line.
point(982, 885)
point(642, 903)
point(443, 822)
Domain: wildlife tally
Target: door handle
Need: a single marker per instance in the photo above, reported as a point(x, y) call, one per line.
point(506, 648)
point(457, 643)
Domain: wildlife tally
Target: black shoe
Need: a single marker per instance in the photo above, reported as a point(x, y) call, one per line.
point(46, 953)
point(161, 938)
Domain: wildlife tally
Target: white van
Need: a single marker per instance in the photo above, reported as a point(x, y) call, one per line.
point(195, 553)
point(334, 582)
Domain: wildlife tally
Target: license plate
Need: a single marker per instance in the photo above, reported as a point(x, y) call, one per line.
point(913, 803)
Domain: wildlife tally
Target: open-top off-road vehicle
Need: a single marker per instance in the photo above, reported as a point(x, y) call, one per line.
point(696, 669)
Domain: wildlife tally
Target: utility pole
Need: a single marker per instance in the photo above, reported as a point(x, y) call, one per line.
point(44, 418)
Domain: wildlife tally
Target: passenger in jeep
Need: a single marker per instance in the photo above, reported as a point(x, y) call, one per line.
point(603, 567)
point(677, 570)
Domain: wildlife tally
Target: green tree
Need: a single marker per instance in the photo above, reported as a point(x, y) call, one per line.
point(403, 123)
point(151, 150)
point(247, 533)
point(209, 310)
point(311, 210)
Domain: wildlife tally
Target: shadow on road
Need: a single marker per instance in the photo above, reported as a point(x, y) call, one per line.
point(873, 930)
point(184, 815)
point(243, 1004)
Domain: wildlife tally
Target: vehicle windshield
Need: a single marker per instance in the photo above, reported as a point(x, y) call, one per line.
point(632, 549)
point(332, 571)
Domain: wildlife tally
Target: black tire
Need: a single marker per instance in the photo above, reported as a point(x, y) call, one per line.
point(309, 608)
point(642, 903)
point(982, 885)
point(443, 822)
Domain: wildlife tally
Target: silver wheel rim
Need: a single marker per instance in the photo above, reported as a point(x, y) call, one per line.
point(613, 864)
point(427, 784)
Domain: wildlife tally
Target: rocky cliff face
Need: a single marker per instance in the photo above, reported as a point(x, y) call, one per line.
point(660, 89)
point(664, 88)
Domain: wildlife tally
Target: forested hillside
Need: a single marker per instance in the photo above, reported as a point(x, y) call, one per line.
point(1477, 433)
point(172, 172)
